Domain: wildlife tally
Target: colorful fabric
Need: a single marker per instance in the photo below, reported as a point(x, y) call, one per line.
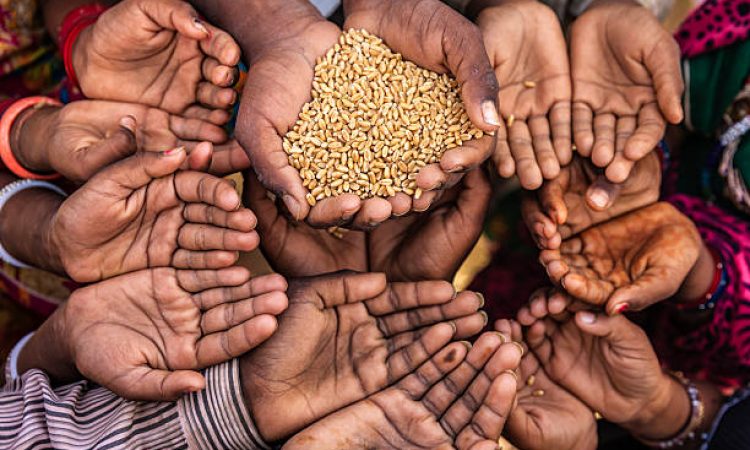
point(714, 24)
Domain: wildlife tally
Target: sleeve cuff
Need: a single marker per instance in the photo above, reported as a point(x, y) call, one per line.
point(11, 364)
point(217, 416)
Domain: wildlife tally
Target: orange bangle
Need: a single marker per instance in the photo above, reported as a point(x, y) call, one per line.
point(6, 125)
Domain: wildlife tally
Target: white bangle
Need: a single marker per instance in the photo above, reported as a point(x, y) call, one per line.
point(6, 194)
point(11, 369)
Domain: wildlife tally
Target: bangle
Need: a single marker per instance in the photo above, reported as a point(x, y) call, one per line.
point(6, 126)
point(71, 27)
point(6, 194)
point(718, 285)
point(697, 413)
point(11, 367)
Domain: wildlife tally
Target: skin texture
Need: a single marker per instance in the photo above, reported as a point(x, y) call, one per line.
point(555, 420)
point(110, 225)
point(144, 335)
point(353, 335)
point(434, 243)
point(570, 203)
point(525, 44)
point(630, 262)
point(159, 54)
point(459, 399)
point(626, 85)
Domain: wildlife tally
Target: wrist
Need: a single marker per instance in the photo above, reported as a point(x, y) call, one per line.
point(30, 136)
point(665, 415)
point(79, 59)
point(49, 349)
point(700, 278)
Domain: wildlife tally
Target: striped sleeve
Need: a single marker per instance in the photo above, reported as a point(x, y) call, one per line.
point(33, 415)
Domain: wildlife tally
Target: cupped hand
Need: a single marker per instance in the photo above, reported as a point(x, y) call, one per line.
point(458, 399)
point(527, 49)
point(547, 416)
point(581, 197)
point(144, 335)
point(630, 262)
point(353, 335)
point(626, 84)
point(141, 213)
point(158, 53)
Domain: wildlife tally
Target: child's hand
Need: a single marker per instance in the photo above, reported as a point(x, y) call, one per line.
point(157, 53)
point(528, 52)
point(630, 262)
point(141, 213)
point(626, 80)
point(581, 197)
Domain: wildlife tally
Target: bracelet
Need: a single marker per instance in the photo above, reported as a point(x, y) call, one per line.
point(71, 27)
point(6, 126)
point(718, 286)
point(697, 414)
point(6, 194)
point(11, 366)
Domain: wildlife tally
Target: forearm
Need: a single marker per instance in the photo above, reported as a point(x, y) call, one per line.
point(699, 279)
point(54, 12)
point(47, 351)
point(256, 24)
point(29, 138)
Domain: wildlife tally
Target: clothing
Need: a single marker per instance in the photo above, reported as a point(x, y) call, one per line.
point(730, 430)
point(82, 415)
point(715, 24)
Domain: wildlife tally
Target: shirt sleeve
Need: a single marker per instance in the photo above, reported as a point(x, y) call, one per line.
point(83, 415)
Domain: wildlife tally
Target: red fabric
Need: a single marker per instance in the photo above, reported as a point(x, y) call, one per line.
point(714, 24)
point(74, 23)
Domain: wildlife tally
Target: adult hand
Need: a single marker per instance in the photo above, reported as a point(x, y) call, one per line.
point(581, 197)
point(630, 262)
point(547, 416)
point(143, 335)
point(459, 399)
point(432, 246)
point(141, 213)
point(353, 335)
point(624, 84)
point(158, 53)
point(527, 49)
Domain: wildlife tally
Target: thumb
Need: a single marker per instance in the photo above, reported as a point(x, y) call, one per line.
point(602, 194)
point(664, 64)
point(121, 144)
point(161, 385)
point(140, 169)
point(651, 287)
point(201, 157)
point(175, 15)
point(344, 287)
point(617, 329)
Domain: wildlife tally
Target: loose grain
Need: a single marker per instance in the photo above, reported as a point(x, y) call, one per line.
point(374, 121)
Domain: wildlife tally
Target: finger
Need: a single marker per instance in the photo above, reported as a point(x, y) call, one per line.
point(665, 67)
point(591, 290)
point(215, 116)
point(242, 220)
point(560, 122)
point(202, 260)
point(212, 96)
point(373, 212)
point(334, 211)
point(218, 74)
point(432, 371)
point(200, 156)
point(188, 129)
point(220, 347)
point(466, 327)
point(140, 169)
point(157, 385)
point(616, 330)
point(221, 47)
point(200, 280)
point(649, 288)
point(536, 221)
point(207, 237)
point(467, 156)
point(230, 314)
point(121, 144)
point(527, 168)
point(196, 187)
point(604, 135)
point(489, 418)
point(502, 156)
point(650, 130)
point(405, 296)
point(400, 204)
point(426, 200)
point(406, 360)
point(229, 158)
point(552, 198)
point(256, 286)
point(176, 15)
point(467, 218)
point(420, 317)
point(619, 169)
point(340, 289)
point(583, 128)
point(542, 143)
point(602, 194)
point(432, 177)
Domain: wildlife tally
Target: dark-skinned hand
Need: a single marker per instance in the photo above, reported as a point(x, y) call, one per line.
point(352, 335)
point(458, 399)
point(626, 84)
point(527, 48)
point(630, 262)
point(581, 197)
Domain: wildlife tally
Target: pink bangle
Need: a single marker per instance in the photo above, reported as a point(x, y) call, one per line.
point(6, 125)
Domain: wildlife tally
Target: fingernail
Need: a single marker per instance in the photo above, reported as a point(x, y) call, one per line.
point(173, 151)
point(510, 372)
point(457, 169)
point(621, 308)
point(229, 79)
point(588, 318)
point(128, 122)
point(453, 325)
point(293, 206)
point(490, 114)
point(467, 344)
point(501, 336)
point(519, 346)
point(234, 98)
point(198, 24)
point(599, 197)
point(485, 317)
point(481, 299)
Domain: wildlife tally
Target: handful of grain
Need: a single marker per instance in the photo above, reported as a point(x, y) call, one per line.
point(375, 120)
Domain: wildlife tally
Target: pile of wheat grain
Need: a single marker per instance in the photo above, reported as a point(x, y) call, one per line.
point(374, 121)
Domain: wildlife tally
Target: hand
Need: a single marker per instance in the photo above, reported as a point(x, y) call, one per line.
point(81, 138)
point(609, 364)
point(435, 37)
point(630, 262)
point(158, 53)
point(459, 399)
point(353, 335)
point(144, 335)
point(624, 84)
point(432, 246)
point(297, 249)
point(556, 418)
point(527, 48)
point(581, 197)
point(140, 213)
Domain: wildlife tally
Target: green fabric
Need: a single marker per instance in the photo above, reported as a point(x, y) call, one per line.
point(742, 159)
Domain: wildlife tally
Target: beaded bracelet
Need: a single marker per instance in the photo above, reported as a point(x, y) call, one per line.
point(715, 291)
point(6, 126)
point(71, 27)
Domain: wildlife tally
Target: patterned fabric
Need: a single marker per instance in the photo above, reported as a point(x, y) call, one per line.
point(715, 24)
